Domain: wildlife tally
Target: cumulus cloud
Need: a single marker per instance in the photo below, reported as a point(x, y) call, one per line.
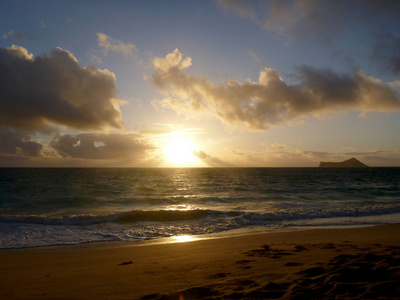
point(39, 93)
point(270, 101)
point(110, 44)
point(101, 146)
point(16, 143)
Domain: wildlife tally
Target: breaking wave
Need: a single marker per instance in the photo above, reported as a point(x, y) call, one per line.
point(167, 216)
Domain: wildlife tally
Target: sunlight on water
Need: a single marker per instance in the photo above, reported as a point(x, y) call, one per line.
point(66, 206)
point(184, 238)
point(181, 207)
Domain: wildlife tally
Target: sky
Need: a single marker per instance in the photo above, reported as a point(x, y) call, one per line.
point(213, 83)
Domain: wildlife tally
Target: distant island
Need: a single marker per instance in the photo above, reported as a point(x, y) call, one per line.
point(350, 163)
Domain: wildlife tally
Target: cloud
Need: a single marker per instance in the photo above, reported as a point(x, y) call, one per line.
point(327, 21)
point(39, 93)
point(93, 58)
point(16, 35)
point(16, 143)
point(383, 161)
point(241, 7)
point(372, 152)
point(180, 128)
point(270, 101)
point(101, 146)
point(172, 63)
point(323, 20)
point(309, 18)
point(43, 24)
point(210, 160)
point(155, 132)
point(386, 53)
point(110, 44)
point(293, 18)
point(278, 155)
point(317, 154)
point(272, 156)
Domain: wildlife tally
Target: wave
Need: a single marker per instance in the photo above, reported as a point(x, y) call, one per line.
point(239, 217)
point(123, 217)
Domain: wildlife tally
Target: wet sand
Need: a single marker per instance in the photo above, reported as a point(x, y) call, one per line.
point(361, 263)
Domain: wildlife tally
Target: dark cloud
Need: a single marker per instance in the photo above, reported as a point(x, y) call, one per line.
point(39, 93)
point(16, 143)
point(271, 101)
point(322, 19)
point(326, 21)
point(386, 53)
point(101, 146)
point(300, 19)
point(17, 35)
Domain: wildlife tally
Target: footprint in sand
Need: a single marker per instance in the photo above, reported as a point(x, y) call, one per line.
point(125, 263)
point(218, 275)
point(293, 264)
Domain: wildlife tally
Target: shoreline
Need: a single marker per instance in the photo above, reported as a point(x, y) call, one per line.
point(337, 222)
point(255, 230)
point(286, 264)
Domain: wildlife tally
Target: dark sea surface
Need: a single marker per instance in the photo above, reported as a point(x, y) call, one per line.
point(69, 206)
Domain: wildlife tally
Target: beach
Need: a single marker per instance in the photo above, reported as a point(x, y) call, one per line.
point(341, 263)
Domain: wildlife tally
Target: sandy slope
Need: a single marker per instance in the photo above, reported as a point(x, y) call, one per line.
point(324, 263)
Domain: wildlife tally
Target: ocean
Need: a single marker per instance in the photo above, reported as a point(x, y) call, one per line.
point(51, 206)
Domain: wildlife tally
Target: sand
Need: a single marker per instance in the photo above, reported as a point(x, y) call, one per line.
point(358, 263)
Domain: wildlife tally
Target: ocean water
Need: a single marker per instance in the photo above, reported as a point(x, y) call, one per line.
point(68, 206)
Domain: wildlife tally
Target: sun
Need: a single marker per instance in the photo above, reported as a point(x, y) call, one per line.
point(179, 150)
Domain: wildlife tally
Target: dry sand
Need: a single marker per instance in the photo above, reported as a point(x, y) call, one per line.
point(357, 263)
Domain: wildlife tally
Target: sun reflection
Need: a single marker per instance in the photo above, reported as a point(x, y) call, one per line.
point(184, 238)
point(180, 207)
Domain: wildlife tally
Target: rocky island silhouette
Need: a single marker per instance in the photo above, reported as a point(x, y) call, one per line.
point(350, 163)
